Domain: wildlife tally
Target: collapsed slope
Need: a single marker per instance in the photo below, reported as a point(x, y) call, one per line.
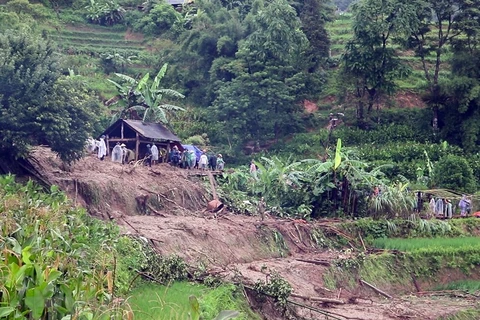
point(233, 247)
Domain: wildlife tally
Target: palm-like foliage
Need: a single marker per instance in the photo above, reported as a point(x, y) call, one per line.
point(339, 184)
point(145, 97)
point(393, 201)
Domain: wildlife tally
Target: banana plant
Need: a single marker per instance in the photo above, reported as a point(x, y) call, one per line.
point(145, 97)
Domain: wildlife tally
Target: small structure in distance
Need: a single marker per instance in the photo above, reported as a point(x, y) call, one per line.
point(136, 134)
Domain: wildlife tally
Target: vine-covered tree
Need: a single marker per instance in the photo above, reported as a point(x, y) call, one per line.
point(37, 105)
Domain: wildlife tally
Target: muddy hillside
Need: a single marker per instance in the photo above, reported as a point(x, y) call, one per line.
point(167, 206)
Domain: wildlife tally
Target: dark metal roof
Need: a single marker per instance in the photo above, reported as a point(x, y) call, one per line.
point(149, 130)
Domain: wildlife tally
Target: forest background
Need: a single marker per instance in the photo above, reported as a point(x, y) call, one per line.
point(260, 79)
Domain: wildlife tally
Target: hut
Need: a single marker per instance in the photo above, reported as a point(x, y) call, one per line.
point(136, 134)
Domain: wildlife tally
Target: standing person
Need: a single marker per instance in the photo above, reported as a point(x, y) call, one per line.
point(253, 169)
point(175, 156)
point(183, 159)
point(117, 153)
point(220, 162)
point(154, 151)
point(190, 157)
point(261, 208)
point(463, 204)
point(203, 162)
point(163, 155)
point(102, 148)
point(469, 205)
point(431, 206)
point(439, 207)
point(148, 156)
point(448, 209)
point(212, 162)
point(128, 155)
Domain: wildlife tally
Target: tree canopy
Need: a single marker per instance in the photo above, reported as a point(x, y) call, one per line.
point(37, 104)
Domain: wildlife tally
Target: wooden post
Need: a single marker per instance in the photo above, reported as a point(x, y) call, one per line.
point(137, 146)
point(108, 145)
point(168, 150)
point(121, 131)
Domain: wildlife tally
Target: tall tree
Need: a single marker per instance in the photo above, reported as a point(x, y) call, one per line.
point(370, 63)
point(266, 82)
point(314, 14)
point(37, 105)
point(439, 23)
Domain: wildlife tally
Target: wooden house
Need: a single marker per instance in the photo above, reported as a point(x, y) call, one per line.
point(136, 134)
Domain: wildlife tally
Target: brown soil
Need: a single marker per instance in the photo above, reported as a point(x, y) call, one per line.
point(309, 106)
point(233, 247)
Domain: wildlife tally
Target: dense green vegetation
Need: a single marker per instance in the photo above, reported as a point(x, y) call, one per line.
point(244, 81)
point(151, 301)
point(59, 262)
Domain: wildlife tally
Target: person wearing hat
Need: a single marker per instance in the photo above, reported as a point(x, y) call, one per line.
point(148, 156)
point(117, 153)
point(220, 162)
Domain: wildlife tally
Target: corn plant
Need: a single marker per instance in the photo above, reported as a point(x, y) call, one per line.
point(56, 261)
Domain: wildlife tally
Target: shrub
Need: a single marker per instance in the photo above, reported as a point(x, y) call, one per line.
point(105, 13)
point(158, 20)
point(454, 172)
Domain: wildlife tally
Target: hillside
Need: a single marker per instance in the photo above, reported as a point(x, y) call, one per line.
point(236, 247)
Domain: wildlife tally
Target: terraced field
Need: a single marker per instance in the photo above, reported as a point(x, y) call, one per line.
point(97, 40)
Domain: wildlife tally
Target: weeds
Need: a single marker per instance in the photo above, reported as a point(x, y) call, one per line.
point(275, 286)
point(467, 285)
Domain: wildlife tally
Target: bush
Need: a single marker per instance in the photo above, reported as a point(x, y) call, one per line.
point(159, 20)
point(454, 172)
point(104, 12)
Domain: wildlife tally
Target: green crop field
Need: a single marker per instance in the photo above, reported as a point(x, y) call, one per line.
point(424, 243)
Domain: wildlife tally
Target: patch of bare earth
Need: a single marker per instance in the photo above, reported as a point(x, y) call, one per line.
point(233, 247)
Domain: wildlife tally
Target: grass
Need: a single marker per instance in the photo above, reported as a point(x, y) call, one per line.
point(155, 302)
point(468, 285)
point(423, 243)
point(152, 301)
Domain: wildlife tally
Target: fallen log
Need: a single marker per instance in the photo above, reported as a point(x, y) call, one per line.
point(318, 262)
point(376, 289)
point(318, 299)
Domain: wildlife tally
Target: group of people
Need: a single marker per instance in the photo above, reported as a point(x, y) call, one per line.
point(122, 155)
point(443, 207)
point(186, 159)
point(206, 161)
